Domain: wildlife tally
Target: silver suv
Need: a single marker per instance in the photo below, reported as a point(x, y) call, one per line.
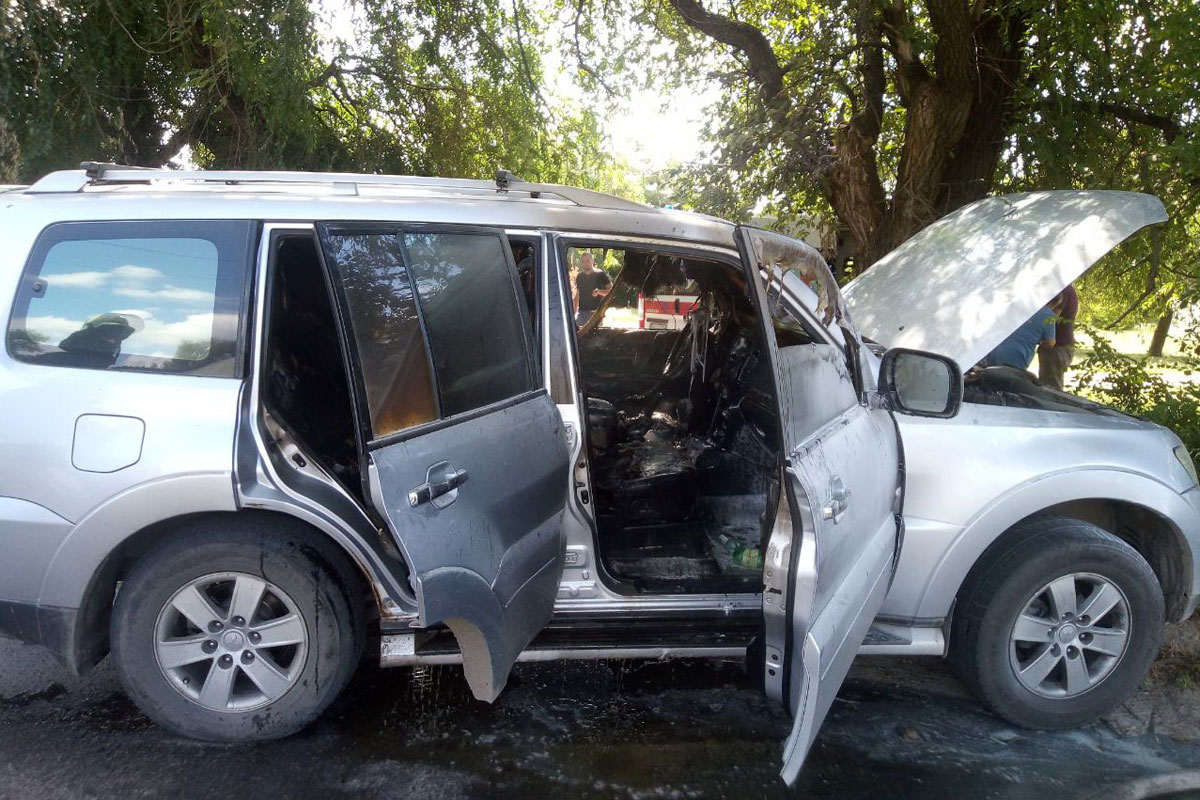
point(256, 420)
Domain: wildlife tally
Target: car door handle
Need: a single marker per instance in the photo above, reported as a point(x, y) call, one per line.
point(839, 501)
point(441, 479)
point(834, 510)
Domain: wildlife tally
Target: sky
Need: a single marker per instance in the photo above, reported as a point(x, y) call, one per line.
point(652, 129)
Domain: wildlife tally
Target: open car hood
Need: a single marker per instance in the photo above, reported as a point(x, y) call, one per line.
point(960, 286)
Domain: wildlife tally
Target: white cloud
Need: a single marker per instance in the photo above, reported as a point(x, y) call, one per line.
point(137, 312)
point(55, 329)
point(81, 280)
point(177, 294)
point(135, 274)
point(158, 338)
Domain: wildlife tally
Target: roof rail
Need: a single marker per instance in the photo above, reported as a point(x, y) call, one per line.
point(97, 174)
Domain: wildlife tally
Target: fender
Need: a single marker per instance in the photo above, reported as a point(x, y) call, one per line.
point(106, 526)
point(1179, 512)
point(72, 606)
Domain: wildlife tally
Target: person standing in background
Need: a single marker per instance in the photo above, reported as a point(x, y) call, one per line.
point(591, 285)
point(1054, 361)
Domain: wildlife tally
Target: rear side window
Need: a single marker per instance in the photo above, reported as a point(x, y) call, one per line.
point(439, 326)
point(476, 331)
point(146, 295)
point(387, 332)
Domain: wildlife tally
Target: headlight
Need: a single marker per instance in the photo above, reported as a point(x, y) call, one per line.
point(1185, 458)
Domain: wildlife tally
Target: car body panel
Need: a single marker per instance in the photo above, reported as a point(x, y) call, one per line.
point(488, 563)
point(962, 284)
point(269, 478)
point(305, 204)
point(1021, 461)
point(176, 449)
point(184, 432)
point(30, 535)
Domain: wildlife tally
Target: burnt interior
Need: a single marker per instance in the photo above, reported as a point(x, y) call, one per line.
point(682, 435)
point(306, 386)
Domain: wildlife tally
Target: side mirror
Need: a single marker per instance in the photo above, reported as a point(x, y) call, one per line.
point(921, 384)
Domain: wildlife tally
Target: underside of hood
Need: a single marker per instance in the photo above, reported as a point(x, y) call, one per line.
point(961, 285)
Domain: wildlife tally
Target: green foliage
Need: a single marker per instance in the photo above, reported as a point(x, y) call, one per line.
point(415, 86)
point(193, 350)
point(1127, 384)
point(1110, 102)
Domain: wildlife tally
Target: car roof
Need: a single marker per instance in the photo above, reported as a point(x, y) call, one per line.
point(111, 192)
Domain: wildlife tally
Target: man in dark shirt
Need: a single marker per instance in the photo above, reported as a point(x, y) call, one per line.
point(1053, 361)
point(591, 285)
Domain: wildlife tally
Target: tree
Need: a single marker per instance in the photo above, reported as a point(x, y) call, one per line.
point(135, 81)
point(1110, 102)
point(420, 87)
point(891, 114)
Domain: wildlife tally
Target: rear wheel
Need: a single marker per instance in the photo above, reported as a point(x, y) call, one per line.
point(237, 629)
point(1057, 624)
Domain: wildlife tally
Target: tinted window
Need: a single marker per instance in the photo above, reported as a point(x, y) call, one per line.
point(134, 295)
point(387, 332)
point(476, 328)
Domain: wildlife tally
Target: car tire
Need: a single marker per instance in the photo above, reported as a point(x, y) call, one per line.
point(201, 669)
point(1011, 645)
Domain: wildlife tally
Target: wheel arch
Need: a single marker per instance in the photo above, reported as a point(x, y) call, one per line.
point(82, 640)
point(1150, 516)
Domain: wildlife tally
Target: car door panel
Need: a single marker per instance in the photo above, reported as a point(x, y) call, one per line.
point(835, 539)
point(473, 498)
point(501, 516)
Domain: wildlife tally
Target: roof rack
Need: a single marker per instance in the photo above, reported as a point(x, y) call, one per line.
point(93, 173)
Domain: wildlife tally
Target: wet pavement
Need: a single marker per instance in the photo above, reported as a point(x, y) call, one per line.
point(900, 729)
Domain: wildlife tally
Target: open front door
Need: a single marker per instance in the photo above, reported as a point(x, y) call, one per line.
point(830, 557)
point(464, 454)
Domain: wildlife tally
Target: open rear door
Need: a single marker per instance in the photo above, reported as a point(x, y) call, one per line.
point(464, 456)
point(830, 557)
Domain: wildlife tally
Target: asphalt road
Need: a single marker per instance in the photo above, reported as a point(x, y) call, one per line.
point(900, 729)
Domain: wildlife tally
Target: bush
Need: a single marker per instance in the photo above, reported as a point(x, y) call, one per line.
point(1126, 383)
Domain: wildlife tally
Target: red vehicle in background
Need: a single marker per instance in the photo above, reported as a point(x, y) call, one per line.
point(668, 310)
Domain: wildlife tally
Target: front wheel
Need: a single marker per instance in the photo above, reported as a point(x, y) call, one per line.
point(237, 630)
point(1057, 624)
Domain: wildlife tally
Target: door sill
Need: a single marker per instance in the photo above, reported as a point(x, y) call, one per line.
point(625, 639)
point(884, 639)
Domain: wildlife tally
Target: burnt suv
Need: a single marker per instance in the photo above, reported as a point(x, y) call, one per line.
point(254, 421)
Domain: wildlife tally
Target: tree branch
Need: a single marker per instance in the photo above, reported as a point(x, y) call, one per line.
point(910, 71)
point(953, 54)
point(1168, 126)
point(1151, 282)
point(526, 69)
point(763, 64)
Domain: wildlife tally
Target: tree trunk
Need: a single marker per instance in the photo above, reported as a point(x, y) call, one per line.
point(1159, 339)
point(956, 119)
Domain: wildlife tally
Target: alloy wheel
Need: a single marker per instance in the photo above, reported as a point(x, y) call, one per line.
point(231, 641)
point(1070, 635)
